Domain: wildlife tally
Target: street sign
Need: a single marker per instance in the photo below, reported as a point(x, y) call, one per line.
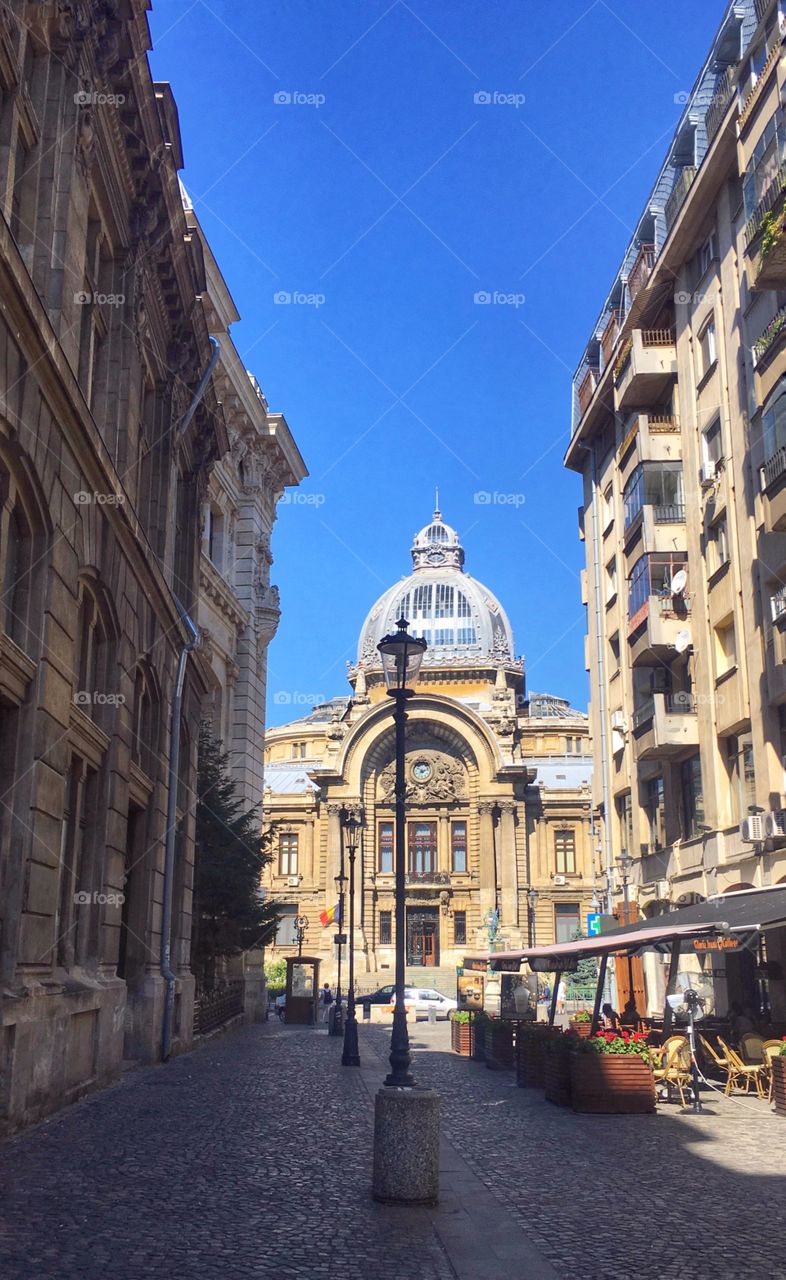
point(593, 924)
point(340, 939)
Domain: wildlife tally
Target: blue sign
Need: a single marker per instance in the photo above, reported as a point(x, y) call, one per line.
point(593, 924)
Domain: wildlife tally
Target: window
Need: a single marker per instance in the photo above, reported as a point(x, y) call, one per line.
point(707, 254)
point(385, 846)
point(386, 928)
point(298, 750)
point(285, 929)
point(663, 492)
point(725, 647)
point(624, 807)
point(742, 775)
point(443, 636)
point(611, 579)
point(633, 496)
point(458, 847)
point(421, 603)
point(466, 635)
point(443, 607)
point(77, 940)
point(608, 506)
point(692, 797)
point(463, 609)
point(768, 155)
point(712, 443)
point(569, 746)
point(614, 654)
point(565, 852)
point(287, 853)
point(214, 536)
point(773, 421)
point(656, 814)
point(708, 353)
point(16, 584)
point(567, 921)
point(422, 840)
point(93, 666)
point(652, 575)
point(459, 928)
point(718, 546)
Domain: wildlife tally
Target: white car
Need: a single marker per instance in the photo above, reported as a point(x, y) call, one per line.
point(421, 999)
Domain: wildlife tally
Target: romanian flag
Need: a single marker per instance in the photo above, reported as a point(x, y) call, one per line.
point(330, 917)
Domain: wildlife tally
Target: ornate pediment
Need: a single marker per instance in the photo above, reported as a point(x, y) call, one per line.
point(432, 776)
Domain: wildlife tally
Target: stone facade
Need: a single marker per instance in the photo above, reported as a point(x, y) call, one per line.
point(498, 789)
point(105, 459)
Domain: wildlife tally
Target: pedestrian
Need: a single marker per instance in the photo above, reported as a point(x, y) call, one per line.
point(326, 1000)
point(611, 1020)
point(630, 1015)
point(561, 994)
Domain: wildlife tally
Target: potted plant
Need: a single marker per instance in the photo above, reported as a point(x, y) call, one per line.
point(611, 1074)
point(531, 1041)
point(778, 1068)
point(499, 1045)
point(556, 1068)
point(581, 1023)
point(461, 1032)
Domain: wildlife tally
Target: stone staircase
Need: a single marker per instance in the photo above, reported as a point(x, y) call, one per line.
point(440, 979)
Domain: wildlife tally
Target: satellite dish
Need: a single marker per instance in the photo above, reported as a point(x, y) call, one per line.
point(679, 582)
point(682, 640)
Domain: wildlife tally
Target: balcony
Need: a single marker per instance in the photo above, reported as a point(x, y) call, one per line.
point(760, 219)
point(641, 270)
point(657, 437)
point(654, 628)
point(427, 879)
point(609, 336)
point(770, 266)
point(762, 78)
point(724, 92)
point(646, 370)
point(773, 488)
point(766, 345)
point(666, 727)
point(678, 194)
point(587, 389)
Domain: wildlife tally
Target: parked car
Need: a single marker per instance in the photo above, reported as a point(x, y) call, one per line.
point(382, 996)
point(421, 999)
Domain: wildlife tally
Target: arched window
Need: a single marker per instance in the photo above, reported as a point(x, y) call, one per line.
point(95, 672)
point(17, 566)
point(145, 720)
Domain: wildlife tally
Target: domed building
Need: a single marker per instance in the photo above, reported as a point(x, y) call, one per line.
point(498, 787)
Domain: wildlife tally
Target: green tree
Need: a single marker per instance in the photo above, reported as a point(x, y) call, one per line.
point(586, 974)
point(230, 914)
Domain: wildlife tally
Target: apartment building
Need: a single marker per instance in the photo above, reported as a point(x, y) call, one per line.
point(679, 434)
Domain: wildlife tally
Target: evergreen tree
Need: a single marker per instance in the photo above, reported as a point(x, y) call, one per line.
point(586, 974)
point(229, 911)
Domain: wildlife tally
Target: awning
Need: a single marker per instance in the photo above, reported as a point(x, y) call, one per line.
point(752, 910)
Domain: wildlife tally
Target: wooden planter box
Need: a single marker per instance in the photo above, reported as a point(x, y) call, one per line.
point(557, 1076)
point(580, 1028)
point(499, 1047)
point(611, 1084)
point(479, 1041)
point(530, 1057)
point(461, 1038)
point(779, 1085)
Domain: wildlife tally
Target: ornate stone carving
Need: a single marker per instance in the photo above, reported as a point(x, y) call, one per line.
point(444, 778)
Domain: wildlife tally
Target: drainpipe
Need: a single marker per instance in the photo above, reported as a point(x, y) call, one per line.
point(601, 681)
point(167, 972)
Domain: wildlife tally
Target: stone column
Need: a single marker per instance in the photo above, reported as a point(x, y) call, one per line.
point(488, 888)
point(507, 864)
point(443, 845)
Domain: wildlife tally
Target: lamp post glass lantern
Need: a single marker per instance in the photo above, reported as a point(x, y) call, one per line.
point(301, 929)
point(402, 656)
point(351, 1055)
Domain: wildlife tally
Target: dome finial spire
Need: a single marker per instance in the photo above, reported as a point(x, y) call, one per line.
point(437, 512)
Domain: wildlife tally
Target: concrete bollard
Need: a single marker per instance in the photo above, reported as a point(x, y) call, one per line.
point(406, 1146)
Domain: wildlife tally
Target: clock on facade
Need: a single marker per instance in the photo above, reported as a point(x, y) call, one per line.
point(421, 771)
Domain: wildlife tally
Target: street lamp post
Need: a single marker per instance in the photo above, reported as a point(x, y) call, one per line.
point(625, 862)
point(351, 1054)
point(341, 881)
point(301, 929)
point(402, 655)
point(532, 902)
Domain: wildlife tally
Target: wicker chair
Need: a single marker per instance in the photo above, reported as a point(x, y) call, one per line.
point(746, 1071)
point(751, 1046)
point(770, 1049)
point(675, 1072)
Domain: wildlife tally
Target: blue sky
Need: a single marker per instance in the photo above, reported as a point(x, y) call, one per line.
point(335, 150)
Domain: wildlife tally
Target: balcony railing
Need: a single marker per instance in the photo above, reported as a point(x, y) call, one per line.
point(668, 512)
point(644, 713)
point(658, 337)
point(610, 334)
point(768, 338)
point(427, 877)
point(765, 205)
point(671, 606)
point(778, 604)
point(641, 270)
point(662, 424)
point(587, 388)
point(774, 467)
point(724, 92)
point(750, 101)
point(679, 191)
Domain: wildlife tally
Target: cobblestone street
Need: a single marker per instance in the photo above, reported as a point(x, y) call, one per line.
point(251, 1157)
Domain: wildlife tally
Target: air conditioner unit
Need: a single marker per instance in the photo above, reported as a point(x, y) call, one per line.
point(752, 829)
point(293, 882)
point(662, 889)
point(775, 824)
point(707, 472)
point(560, 880)
point(618, 721)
